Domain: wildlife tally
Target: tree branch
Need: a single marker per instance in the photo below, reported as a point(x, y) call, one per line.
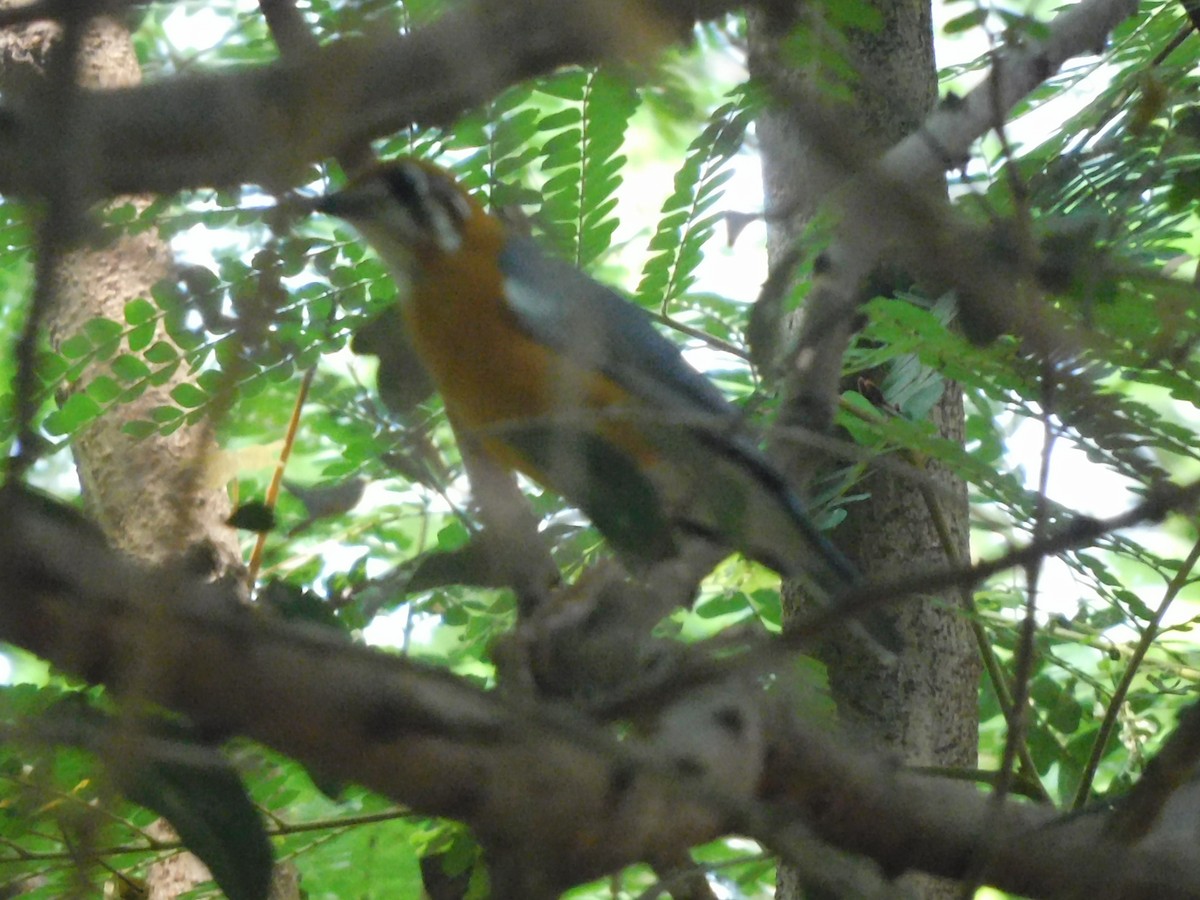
point(263, 125)
point(885, 208)
point(554, 798)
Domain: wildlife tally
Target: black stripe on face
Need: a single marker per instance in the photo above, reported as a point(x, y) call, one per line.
point(449, 198)
point(434, 202)
point(410, 187)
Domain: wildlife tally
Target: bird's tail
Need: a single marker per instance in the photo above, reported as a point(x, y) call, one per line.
point(739, 499)
point(706, 481)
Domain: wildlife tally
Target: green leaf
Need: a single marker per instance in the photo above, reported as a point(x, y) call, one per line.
point(129, 369)
point(566, 86)
point(75, 347)
point(160, 352)
point(210, 381)
point(140, 311)
point(188, 395)
point(78, 410)
point(722, 605)
point(51, 368)
point(683, 228)
point(163, 375)
point(103, 389)
point(562, 149)
point(165, 414)
point(973, 19)
point(377, 860)
point(141, 336)
point(561, 119)
point(102, 331)
point(139, 428)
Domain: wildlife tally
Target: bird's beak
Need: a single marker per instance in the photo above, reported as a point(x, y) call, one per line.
point(347, 204)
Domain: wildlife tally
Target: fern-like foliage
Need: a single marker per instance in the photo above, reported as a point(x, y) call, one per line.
point(688, 220)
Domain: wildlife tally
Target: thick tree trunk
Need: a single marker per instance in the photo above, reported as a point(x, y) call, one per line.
point(145, 494)
point(923, 709)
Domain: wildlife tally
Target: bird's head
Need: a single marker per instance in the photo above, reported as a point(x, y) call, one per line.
point(405, 208)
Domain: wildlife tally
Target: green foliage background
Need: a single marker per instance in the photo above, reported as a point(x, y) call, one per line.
point(1108, 199)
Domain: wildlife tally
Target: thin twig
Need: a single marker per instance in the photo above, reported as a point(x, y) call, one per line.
point(991, 664)
point(1151, 632)
point(1026, 648)
point(289, 440)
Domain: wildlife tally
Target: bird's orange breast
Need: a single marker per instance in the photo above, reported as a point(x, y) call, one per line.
point(492, 373)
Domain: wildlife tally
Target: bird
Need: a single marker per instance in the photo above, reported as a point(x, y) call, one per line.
point(559, 377)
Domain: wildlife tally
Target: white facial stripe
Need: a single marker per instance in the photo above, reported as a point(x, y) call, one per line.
point(442, 205)
point(445, 228)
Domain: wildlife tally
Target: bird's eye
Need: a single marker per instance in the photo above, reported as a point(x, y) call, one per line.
point(410, 188)
point(448, 197)
point(434, 204)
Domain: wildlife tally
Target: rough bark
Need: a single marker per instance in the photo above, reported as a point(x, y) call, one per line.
point(923, 709)
point(554, 797)
point(143, 493)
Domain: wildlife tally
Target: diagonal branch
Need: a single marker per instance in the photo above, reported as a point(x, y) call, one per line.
point(264, 124)
point(557, 797)
point(885, 210)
